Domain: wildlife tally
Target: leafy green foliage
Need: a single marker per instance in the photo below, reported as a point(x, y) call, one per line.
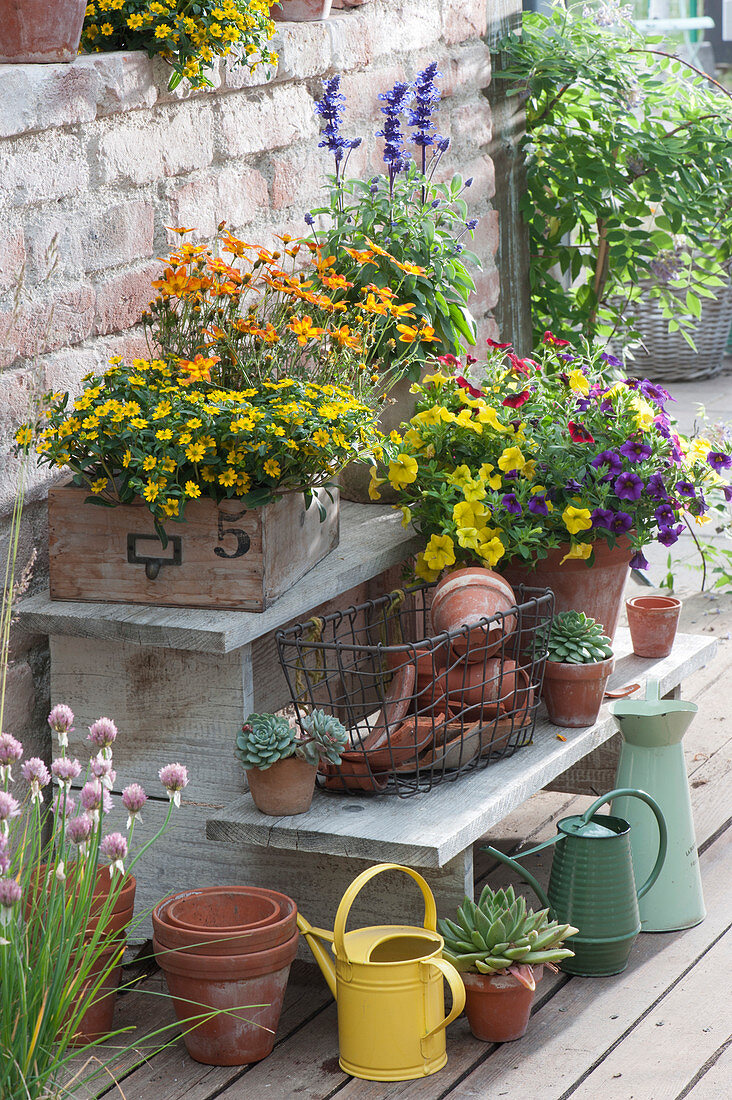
point(575, 639)
point(629, 188)
point(263, 740)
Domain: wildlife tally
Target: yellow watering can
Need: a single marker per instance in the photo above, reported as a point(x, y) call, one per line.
point(388, 984)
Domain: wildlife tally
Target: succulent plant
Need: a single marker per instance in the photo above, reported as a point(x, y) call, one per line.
point(500, 933)
point(575, 639)
point(325, 738)
point(264, 739)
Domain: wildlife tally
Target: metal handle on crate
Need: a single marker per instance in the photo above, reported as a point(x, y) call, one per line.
point(152, 562)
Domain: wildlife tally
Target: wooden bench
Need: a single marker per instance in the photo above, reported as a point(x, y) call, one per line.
point(179, 682)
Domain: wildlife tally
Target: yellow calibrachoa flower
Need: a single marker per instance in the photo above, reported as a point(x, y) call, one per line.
point(406, 515)
point(402, 471)
point(468, 538)
point(579, 550)
point(512, 459)
point(578, 383)
point(487, 415)
point(576, 519)
point(423, 570)
point(374, 485)
point(485, 473)
point(492, 551)
point(439, 552)
point(468, 512)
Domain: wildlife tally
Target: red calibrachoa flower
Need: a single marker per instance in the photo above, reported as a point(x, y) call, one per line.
point(465, 385)
point(554, 341)
point(579, 434)
point(516, 400)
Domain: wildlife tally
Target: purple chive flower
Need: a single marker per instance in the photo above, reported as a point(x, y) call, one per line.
point(4, 857)
point(656, 488)
point(64, 805)
point(669, 535)
point(635, 450)
point(611, 360)
point(628, 486)
point(65, 771)
point(538, 505)
point(133, 799)
point(612, 460)
point(35, 772)
point(330, 110)
point(11, 751)
point(114, 848)
point(9, 808)
point(395, 155)
point(92, 797)
point(718, 460)
point(511, 504)
point(174, 778)
point(61, 721)
point(103, 734)
point(102, 770)
point(79, 830)
point(10, 895)
point(638, 561)
point(602, 517)
point(621, 523)
point(685, 489)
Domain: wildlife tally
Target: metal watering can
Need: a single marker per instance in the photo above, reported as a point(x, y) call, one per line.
point(592, 884)
point(388, 983)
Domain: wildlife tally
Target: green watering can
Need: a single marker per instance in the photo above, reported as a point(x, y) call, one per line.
point(592, 885)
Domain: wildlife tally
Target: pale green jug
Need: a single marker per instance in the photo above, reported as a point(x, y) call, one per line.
point(652, 758)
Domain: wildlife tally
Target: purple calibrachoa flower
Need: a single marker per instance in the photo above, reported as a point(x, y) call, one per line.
point(669, 535)
point(685, 489)
point(573, 486)
point(511, 504)
point(602, 517)
point(65, 771)
point(611, 360)
point(612, 460)
point(727, 490)
point(79, 830)
point(35, 772)
point(621, 523)
point(103, 734)
point(11, 752)
point(665, 515)
point(133, 799)
point(628, 486)
point(174, 778)
point(61, 721)
point(9, 808)
point(114, 848)
point(10, 895)
point(635, 450)
point(718, 460)
point(653, 392)
point(655, 487)
point(638, 561)
point(538, 505)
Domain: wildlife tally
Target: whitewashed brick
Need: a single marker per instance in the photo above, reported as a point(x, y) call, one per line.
point(271, 118)
point(49, 165)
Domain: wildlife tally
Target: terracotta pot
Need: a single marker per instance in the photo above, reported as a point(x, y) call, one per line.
point(399, 407)
point(498, 1006)
point(284, 789)
point(300, 11)
point(494, 685)
point(407, 742)
point(573, 693)
point(243, 993)
point(39, 31)
point(597, 590)
point(209, 910)
point(462, 599)
point(653, 621)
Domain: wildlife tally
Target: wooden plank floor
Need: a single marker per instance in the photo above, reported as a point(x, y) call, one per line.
point(662, 1030)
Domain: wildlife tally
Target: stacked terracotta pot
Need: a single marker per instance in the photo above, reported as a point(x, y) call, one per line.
point(226, 954)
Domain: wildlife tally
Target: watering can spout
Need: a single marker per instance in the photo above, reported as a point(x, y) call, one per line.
point(322, 956)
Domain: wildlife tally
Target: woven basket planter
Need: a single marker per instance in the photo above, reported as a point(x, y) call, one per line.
point(669, 358)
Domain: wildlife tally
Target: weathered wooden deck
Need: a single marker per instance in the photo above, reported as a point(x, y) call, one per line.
point(660, 1031)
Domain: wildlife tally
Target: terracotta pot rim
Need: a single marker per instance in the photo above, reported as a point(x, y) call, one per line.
point(604, 555)
point(594, 670)
point(286, 910)
point(233, 967)
point(651, 604)
point(485, 981)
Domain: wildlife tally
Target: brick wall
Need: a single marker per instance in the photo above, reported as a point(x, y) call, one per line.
point(97, 157)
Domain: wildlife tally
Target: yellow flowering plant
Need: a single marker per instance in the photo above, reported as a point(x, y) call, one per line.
point(285, 313)
point(188, 34)
point(559, 450)
point(166, 433)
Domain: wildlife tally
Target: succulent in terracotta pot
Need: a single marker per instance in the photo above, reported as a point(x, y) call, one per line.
point(281, 761)
point(500, 948)
point(579, 662)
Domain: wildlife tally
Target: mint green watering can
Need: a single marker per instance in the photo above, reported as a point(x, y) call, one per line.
point(592, 884)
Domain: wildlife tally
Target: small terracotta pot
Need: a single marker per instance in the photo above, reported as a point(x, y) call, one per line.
point(36, 31)
point(495, 685)
point(284, 789)
point(209, 910)
point(243, 991)
point(498, 1006)
point(653, 621)
point(462, 599)
point(573, 693)
point(300, 11)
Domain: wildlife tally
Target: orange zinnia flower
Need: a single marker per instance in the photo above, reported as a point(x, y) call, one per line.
point(304, 329)
point(197, 370)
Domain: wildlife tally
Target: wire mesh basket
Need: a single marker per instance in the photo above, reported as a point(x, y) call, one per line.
point(668, 357)
point(420, 708)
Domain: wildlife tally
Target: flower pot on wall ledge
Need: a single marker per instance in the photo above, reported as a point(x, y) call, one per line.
point(300, 11)
point(36, 31)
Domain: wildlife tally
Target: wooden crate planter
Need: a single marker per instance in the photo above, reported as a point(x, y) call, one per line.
point(223, 556)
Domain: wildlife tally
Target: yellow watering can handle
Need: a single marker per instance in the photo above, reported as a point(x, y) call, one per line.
point(456, 988)
point(339, 928)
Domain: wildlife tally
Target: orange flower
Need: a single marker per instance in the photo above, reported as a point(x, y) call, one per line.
point(304, 329)
point(371, 305)
point(198, 370)
point(336, 282)
point(408, 333)
point(360, 257)
point(178, 229)
point(410, 269)
point(175, 282)
point(404, 310)
point(346, 338)
point(234, 245)
point(379, 251)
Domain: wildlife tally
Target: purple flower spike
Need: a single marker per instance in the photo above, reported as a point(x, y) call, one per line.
point(395, 155)
point(174, 778)
point(628, 486)
point(330, 110)
point(718, 460)
point(638, 561)
point(419, 115)
point(511, 504)
point(635, 450)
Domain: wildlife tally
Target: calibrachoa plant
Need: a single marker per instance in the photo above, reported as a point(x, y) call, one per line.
point(262, 315)
point(546, 452)
point(169, 435)
point(423, 224)
point(56, 899)
point(188, 34)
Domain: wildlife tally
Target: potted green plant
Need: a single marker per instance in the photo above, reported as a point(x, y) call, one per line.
point(500, 948)
point(35, 31)
point(579, 662)
point(555, 470)
point(281, 760)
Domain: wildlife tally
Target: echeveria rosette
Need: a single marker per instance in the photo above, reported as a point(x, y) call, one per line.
point(492, 478)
